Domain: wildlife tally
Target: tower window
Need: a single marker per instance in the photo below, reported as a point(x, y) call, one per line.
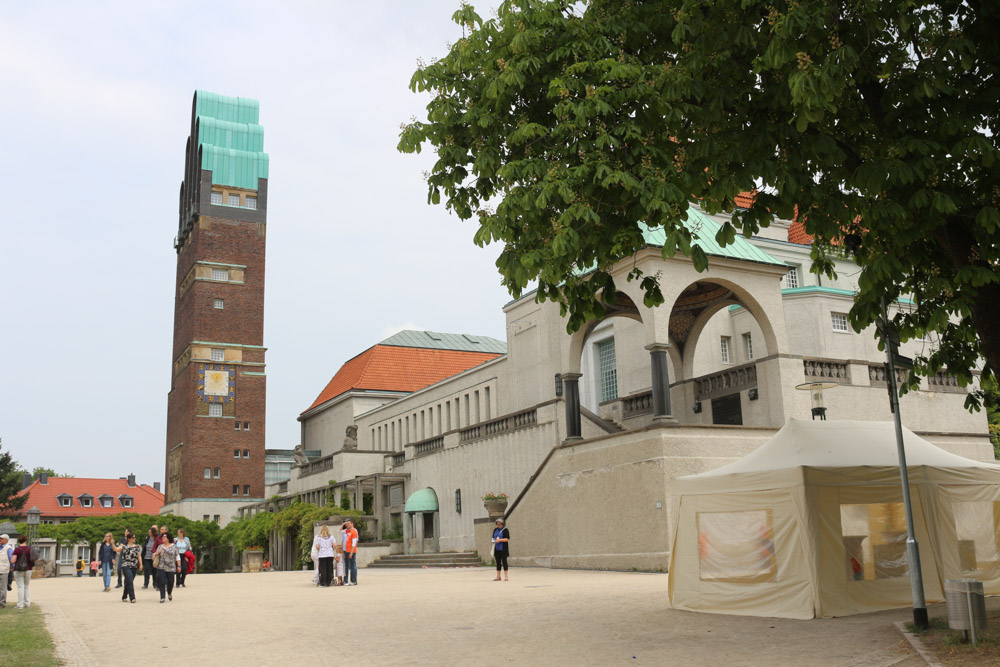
point(237, 424)
point(218, 354)
point(236, 489)
point(215, 518)
point(220, 274)
point(208, 473)
point(246, 489)
point(839, 322)
point(234, 200)
point(219, 304)
point(246, 426)
point(216, 198)
point(251, 202)
point(217, 473)
point(236, 453)
point(725, 349)
point(246, 453)
point(214, 409)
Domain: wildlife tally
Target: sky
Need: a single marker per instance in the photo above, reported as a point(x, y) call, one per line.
point(95, 104)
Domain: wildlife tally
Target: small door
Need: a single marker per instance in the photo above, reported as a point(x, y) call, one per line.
point(428, 524)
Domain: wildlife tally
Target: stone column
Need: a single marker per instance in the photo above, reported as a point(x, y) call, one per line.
point(661, 382)
point(571, 394)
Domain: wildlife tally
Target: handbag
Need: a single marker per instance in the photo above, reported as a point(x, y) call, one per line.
point(156, 560)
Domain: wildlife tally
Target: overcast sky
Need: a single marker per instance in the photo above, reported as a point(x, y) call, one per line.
point(95, 103)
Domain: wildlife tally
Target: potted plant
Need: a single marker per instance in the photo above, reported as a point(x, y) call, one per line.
point(496, 504)
point(253, 559)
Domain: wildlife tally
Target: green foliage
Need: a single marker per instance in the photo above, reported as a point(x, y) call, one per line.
point(10, 482)
point(204, 535)
point(294, 522)
point(345, 501)
point(560, 126)
point(395, 533)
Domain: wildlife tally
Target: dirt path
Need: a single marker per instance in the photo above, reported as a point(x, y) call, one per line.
point(451, 617)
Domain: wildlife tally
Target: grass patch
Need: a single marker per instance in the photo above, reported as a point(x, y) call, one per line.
point(950, 648)
point(24, 640)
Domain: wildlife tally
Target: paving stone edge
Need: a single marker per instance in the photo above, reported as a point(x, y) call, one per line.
point(70, 647)
point(917, 645)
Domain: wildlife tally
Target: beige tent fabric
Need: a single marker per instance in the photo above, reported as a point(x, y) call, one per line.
point(811, 524)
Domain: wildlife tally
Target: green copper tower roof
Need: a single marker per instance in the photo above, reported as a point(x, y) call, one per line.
point(230, 139)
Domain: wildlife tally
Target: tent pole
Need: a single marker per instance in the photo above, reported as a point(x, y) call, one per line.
point(912, 548)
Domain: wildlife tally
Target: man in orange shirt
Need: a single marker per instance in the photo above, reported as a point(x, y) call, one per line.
point(350, 554)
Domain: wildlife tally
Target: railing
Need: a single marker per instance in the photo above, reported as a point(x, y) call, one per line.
point(426, 447)
point(512, 422)
point(637, 404)
point(319, 465)
point(398, 459)
point(827, 371)
point(878, 377)
point(727, 382)
point(943, 382)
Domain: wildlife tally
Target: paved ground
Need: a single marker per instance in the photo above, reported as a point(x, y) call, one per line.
point(447, 617)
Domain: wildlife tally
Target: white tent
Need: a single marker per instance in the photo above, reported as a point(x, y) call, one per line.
point(811, 524)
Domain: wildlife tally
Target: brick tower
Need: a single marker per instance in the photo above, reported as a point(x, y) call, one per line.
point(215, 408)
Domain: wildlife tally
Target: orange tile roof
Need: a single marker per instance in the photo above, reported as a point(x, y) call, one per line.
point(745, 199)
point(404, 369)
point(145, 499)
point(797, 234)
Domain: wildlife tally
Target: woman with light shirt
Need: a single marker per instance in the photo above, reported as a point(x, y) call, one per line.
point(325, 547)
point(183, 546)
point(166, 567)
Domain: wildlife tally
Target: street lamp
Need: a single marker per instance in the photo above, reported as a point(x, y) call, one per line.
point(815, 390)
point(34, 518)
point(889, 340)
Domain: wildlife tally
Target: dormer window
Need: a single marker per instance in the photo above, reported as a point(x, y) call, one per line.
point(65, 500)
point(86, 500)
point(106, 501)
point(125, 501)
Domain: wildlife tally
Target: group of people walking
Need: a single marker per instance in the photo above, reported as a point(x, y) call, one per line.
point(333, 558)
point(161, 556)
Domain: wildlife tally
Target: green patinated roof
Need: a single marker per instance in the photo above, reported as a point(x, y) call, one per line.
point(704, 228)
point(444, 341)
point(230, 139)
point(424, 500)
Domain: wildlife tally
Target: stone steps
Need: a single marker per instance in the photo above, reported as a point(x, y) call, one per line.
point(460, 559)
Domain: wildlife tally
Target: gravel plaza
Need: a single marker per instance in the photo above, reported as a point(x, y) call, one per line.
point(446, 617)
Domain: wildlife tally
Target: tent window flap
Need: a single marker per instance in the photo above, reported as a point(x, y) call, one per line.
point(874, 541)
point(736, 547)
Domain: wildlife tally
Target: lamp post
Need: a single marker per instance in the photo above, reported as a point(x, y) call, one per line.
point(34, 518)
point(889, 340)
point(815, 390)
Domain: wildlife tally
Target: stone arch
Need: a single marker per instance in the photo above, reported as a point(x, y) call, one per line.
point(624, 306)
point(739, 296)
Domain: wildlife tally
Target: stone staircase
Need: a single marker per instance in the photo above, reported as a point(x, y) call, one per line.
point(458, 559)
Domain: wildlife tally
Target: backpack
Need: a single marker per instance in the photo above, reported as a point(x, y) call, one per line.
point(25, 561)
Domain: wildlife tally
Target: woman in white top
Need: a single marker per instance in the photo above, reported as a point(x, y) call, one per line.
point(183, 546)
point(325, 546)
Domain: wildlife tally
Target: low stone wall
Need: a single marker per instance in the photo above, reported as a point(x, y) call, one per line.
point(604, 503)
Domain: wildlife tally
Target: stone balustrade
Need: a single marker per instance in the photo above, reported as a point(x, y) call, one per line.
point(637, 404)
point(727, 382)
point(826, 370)
point(506, 424)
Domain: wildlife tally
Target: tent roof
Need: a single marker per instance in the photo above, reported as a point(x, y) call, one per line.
point(839, 444)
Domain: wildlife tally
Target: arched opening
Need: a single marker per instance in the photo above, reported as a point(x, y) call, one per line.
point(721, 331)
point(421, 525)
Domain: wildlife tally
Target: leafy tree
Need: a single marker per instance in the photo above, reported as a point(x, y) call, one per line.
point(10, 483)
point(561, 126)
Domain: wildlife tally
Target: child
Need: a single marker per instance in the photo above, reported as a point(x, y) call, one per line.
point(339, 560)
point(79, 567)
point(93, 568)
point(315, 567)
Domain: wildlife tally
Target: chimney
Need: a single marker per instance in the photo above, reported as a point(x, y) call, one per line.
point(156, 486)
point(131, 480)
point(43, 478)
point(26, 482)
